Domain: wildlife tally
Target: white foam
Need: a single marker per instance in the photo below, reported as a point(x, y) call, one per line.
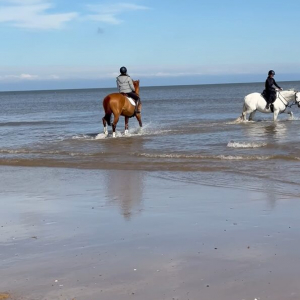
point(146, 130)
point(199, 156)
point(231, 157)
point(233, 144)
point(238, 121)
point(100, 136)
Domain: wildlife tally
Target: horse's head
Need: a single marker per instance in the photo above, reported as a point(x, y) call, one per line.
point(136, 84)
point(297, 98)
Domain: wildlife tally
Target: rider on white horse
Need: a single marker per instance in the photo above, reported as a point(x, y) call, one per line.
point(284, 100)
point(269, 88)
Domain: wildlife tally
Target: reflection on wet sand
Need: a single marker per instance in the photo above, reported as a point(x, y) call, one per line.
point(125, 189)
point(275, 130)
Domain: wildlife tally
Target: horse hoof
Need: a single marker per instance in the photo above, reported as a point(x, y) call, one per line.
point(126, 132)
point(114, 134)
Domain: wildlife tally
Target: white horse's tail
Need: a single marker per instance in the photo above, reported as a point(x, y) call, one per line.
point(242, 117)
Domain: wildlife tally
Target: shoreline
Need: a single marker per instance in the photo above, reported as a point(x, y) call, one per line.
point(146, 86)
point(99, 234)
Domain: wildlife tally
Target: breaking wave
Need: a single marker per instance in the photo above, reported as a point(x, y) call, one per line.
point(233, 144)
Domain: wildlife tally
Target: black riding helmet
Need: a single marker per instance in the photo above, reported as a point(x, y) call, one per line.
point(123, 70)
point(271, 72)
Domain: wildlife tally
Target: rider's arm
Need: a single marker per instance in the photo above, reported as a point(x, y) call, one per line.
point(118, 85)
point(276, 84)
point(131, 84)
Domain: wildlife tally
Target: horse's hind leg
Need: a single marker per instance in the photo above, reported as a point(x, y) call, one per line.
point(252, 115)
point(114, 124)
point(126, 125)
point(104, 126)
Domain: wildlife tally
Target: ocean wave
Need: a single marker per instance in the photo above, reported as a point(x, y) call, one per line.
point(200, 156)
point(43, 152)
point(30, 123)
point(220, 157)
point(233, 144)
point(132, 132)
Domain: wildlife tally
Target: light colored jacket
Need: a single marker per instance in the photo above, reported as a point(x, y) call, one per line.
point(125, 84)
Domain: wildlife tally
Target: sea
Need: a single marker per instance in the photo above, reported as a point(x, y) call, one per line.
point(190, 134)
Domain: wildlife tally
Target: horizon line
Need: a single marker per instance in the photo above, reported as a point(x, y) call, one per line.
point(148, 86)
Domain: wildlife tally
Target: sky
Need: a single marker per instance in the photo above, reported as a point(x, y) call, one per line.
point(57, 44)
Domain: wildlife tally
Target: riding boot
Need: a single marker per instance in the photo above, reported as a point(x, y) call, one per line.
point(268, 105)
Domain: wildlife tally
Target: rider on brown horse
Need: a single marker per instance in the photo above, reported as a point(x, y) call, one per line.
point(125, 86)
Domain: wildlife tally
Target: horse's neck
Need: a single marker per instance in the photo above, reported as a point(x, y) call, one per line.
point(288, 95)
point(137, 90)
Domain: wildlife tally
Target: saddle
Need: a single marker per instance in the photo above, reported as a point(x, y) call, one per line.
point(265, 96)
point(132, 101)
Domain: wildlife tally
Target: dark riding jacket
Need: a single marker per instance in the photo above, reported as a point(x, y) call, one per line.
point(270, 90)
point(269, 85)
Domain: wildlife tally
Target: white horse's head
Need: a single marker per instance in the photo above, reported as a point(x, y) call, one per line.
point(291, 95)
point(297, 98)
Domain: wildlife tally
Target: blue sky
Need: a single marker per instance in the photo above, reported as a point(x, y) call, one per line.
point(47, 44)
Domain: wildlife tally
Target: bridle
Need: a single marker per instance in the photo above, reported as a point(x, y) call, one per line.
point(287, 102)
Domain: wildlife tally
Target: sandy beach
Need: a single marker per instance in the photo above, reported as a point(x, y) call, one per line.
point(92, 234)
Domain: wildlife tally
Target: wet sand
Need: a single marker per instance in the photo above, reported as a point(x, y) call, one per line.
point(93, 235)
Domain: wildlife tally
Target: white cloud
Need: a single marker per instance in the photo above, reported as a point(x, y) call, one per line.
point(28, 77)
point(54, 77)
point(32, 14)
point(19, 77)
point(110, 13)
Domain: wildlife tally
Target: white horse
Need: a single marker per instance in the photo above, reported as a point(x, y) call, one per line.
point(282, 104)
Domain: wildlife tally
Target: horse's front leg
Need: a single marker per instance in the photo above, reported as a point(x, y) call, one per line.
point(126, 125)
point(138, 115)
point(289, 112)
point(275, 115)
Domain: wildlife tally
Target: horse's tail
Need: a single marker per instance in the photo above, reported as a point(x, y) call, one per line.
point(107, 110)
point(244, 106)
point(107, 118)
point(241, 118)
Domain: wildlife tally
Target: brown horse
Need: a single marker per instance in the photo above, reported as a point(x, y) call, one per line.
point(119, 105)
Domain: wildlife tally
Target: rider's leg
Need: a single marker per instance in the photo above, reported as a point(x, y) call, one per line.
point(271, 99)
point(268, 99)
point(136, 98)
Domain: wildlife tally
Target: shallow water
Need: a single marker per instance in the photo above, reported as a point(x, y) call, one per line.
point(190, 129)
